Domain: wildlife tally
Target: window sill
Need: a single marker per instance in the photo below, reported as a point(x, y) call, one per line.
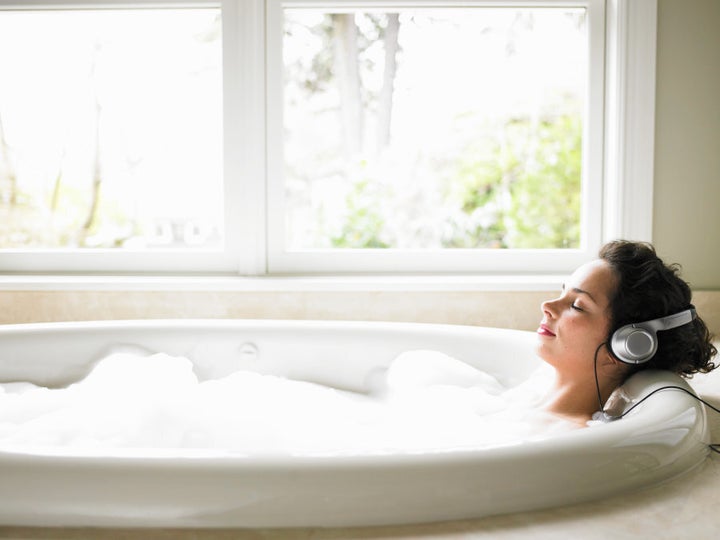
point(280, 283)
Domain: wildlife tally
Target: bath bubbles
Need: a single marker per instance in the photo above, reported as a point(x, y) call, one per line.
point(423, 401)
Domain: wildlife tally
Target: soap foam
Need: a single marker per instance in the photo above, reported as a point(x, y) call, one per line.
point(425, 401)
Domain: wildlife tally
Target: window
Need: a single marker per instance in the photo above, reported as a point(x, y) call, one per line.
point(111, 134)
point(285, 136)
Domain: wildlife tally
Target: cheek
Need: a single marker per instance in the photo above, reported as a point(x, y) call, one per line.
point(593, 335)
point(587, 335)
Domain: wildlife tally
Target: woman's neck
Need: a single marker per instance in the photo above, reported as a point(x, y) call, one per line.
point(576, 400)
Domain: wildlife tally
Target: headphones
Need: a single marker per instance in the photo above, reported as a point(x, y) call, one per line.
point(637, 343)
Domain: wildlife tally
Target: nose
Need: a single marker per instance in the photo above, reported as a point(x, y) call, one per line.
point(548, 307)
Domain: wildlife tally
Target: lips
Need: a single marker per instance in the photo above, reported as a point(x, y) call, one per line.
point(545, 331)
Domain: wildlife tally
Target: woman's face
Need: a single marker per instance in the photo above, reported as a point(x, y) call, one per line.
point(576, 323)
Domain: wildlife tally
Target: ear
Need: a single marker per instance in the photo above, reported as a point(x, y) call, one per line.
point(607, 359)
point(613, 366)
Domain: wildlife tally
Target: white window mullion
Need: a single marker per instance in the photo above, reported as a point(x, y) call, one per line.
point(244, 129)
point(630, 118)
point(275, 186)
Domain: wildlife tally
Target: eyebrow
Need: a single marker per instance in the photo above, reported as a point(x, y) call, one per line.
point(581, 291)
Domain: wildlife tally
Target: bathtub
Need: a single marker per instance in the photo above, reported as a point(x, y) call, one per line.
point(662, 438)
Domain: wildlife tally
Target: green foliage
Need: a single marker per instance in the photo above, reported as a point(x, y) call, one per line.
point(31, 223)
point(364, 224)
point(521, 191)
point(545, 209)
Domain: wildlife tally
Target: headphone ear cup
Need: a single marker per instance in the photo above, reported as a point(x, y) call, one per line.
point(633, 344)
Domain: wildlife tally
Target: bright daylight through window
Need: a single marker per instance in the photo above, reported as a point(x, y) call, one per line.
point(110, 129)
point(434, 128)
point(285, 136)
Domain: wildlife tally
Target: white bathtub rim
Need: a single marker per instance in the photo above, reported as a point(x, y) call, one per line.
point(209, 326)
point(182, 322)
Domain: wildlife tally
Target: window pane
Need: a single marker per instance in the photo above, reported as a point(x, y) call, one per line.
point(110, 129)
point(434, 128)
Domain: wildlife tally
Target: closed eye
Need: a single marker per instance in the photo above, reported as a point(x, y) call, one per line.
point(577, 308)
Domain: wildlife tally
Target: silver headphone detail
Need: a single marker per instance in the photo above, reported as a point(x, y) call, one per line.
point(637, 343)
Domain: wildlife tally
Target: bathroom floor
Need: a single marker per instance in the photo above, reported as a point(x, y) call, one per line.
point(686, 507)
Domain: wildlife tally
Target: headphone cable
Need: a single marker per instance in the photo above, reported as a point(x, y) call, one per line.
point(713, 446)
point(597, 383)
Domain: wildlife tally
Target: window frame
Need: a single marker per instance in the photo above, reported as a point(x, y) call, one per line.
point(113, 261)
point(619, 199)
point(436, 261)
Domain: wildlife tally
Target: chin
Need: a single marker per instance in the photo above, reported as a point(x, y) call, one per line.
point(542, 353)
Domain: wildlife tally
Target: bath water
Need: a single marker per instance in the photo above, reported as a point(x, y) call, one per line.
point(424, 401)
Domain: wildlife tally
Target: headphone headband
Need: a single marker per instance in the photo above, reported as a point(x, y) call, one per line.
point(636, 343)
point(672, 321)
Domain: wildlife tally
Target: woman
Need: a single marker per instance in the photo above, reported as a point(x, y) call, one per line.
point(627, 284)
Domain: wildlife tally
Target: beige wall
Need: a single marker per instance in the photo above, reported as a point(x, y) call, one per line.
point(687, 139)
point(481, 308)
point(503, 309)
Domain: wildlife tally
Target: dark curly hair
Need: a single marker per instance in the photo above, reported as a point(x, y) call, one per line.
point(648, 289)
